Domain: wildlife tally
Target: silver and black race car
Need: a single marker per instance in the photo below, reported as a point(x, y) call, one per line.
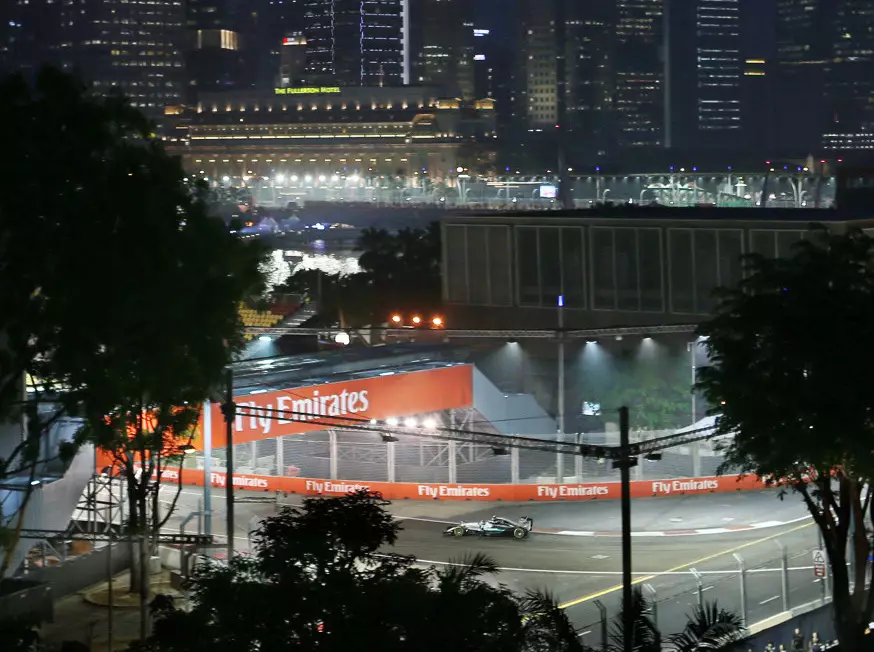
point(496, 526)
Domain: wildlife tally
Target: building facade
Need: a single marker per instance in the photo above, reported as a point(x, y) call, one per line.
point(356, 42)
point(825, 52)
point(133, 46)
point(640, 74)
point(315, 131)
point(632, 268)
point(443, 45)
point(706, 108)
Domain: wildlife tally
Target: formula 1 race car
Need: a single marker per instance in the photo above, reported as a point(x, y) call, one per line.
point(496, 526)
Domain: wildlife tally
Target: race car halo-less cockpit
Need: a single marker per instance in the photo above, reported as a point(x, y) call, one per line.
point(496, 526)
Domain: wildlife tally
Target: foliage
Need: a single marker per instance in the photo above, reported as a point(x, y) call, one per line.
point(120, 291)
point(318, 581)
point(709, 628)
point(400, 272)
point(645, 635)
point(17, 635)
point(789, 370)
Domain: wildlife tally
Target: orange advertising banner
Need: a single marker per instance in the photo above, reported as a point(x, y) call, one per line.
point(480, 492)
point(348, 403)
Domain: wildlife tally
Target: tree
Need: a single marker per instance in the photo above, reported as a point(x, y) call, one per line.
point(119, 290)
point(788, 376)
point(319, 581)
point(400, 272)
point(708, 628)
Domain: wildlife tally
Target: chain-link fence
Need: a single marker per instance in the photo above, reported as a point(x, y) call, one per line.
point(762, 581)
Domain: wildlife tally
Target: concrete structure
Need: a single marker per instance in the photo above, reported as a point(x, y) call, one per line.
point(330, 130)
point(599, 269)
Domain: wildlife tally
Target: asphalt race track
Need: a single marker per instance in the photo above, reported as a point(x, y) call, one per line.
point(582, 568)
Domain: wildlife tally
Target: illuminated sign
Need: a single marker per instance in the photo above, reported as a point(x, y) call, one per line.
point(481, 32)
point(315, 90)
point(479, 57)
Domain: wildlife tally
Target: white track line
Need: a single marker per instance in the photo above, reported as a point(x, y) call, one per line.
point(669, 533)
point(611, 573)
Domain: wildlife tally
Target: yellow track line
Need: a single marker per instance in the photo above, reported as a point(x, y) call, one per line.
point(749, 544)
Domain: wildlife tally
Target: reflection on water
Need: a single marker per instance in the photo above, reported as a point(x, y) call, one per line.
point(339, 261)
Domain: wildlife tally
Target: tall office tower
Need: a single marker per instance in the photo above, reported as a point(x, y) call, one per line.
point(29, 35)
point(567, 78)
point(443, 45)
point(640, 73)
point(268, 24)
point(292, 60)
point(356, 42)
point(803, 48)
point(213, 52)
point(849, 76)
point(134, 46)
point(706, 107)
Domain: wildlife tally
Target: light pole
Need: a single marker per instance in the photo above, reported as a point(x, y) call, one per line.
point(625, 462)
point(691, 347)
point(229, 410)
point(559, 462)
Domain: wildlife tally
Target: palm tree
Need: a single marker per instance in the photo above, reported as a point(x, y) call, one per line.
point(709, 628)
point(645, 635)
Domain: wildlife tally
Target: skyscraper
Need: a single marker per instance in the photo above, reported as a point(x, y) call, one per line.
point(825, 54)
point(443, 44)
point(640, 73)
point(135, 46)
point(706, 107)
point(849, 76)
point(213, 52)
point(356, 42)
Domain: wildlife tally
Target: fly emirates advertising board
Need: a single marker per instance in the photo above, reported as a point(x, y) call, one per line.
point(343, 404)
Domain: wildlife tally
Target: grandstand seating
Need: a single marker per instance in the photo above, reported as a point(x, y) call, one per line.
point(273, 316)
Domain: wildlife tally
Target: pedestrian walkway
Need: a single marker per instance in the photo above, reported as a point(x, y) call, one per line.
point(84, 616)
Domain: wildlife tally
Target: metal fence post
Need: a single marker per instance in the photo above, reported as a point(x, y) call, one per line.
point(390, 460)
point(452, 452)
point(743, 587)
point(559, 461)
point(700, 580)
point(578, 460)
point(280, 455)
point(653, 602)
point(824, 581)
point(784, 574)
point(333, 454)
point(514, 465)
point(603, 622)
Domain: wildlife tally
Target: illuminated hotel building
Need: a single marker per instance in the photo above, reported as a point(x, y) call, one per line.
point(356, 42)
point(331, 130)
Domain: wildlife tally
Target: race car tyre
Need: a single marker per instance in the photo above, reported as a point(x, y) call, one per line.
point(520, 533)
point(458, 532)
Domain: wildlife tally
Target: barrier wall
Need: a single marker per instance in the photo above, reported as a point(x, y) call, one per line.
point(485, 492)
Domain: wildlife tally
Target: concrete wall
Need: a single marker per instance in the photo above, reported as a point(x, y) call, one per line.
point(83, 571)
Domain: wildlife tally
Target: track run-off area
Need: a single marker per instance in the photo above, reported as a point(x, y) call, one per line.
point(574, 551)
